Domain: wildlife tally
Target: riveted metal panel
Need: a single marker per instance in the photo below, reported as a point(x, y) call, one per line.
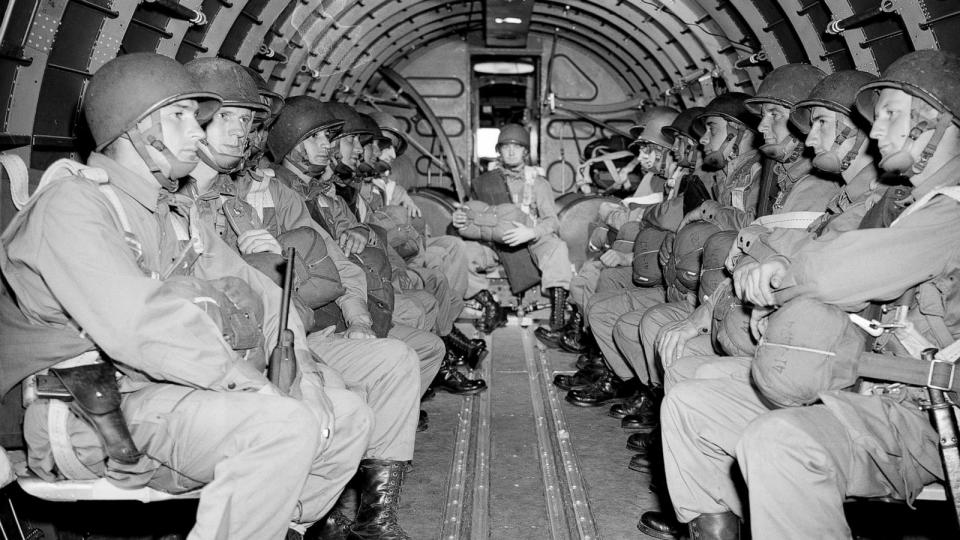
point(943, 19)
point(885, 35)
point(178, 29)
point(26, 92)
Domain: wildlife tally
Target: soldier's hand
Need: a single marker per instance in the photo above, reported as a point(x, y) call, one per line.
point(323, 333)
point(352, 241)
point(672, 340)
point(758, 321)
point(412, 209)
point(613, 258)
point(756, 282)
point(694, 215)
point(359, 331)
point(459, 217)
point(606, 208)
point(520, 234)
point(258, 241)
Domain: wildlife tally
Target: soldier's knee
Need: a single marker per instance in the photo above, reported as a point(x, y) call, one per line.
point(292, 420)
point(780, 433)
point(404, 358)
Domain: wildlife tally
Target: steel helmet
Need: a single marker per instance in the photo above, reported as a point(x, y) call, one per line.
point(651, 124)
point(932, 76)
point(684, 125)
point(514, 133)
point(369, 128)
point(837, 92)
point(270, 98)
point(389, 125)
point(730, 107)
point(301, 117)
point(685, 151)
point(231, 81)
point(130, 87)
point(785, 86)
point(236, 88)
point(352, 123)
point(135, 86)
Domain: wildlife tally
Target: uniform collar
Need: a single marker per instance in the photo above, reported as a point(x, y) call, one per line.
point(944, 176)
point(145, 191)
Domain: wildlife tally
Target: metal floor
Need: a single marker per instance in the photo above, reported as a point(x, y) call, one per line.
point(517, 461)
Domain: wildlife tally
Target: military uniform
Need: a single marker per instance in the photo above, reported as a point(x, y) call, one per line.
point(548, 251)
point(879, 444)
point(191, 405)
point(391, 385)
point(334, 209)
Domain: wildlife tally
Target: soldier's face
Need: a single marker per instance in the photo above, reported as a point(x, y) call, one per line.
point(892, 123)
point(715, 134)
point(181, 133)
point(773, 123)
point(647, 156)
point(512, 154)
point(823, 130)
point(388, 154)
point(369, 152)
point(317, 148)
point(347, 153)
point(227, 131)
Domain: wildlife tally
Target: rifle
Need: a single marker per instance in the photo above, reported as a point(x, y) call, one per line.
point(946, 423)
point(283, 360)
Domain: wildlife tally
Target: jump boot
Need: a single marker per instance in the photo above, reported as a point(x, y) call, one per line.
point(450, 379)
point(336, 524)
point(466, 351)
point(493, 315)
point(577, 339)
point(558, 302)
point(379, 483)
point(721, 526)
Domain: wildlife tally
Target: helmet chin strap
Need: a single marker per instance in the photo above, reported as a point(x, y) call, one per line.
point(298, 159)
point(717, 159)
point(219, 161)
point(787, 150)
point(902, 160)
point(830, 161)
point(153, 136)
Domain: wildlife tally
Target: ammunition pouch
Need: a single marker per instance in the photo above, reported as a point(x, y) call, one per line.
point(93, 394)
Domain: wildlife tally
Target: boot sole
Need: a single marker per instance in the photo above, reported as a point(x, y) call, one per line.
point(462, 393)
point(638, 429)
point(590, 404)
point(655, 533)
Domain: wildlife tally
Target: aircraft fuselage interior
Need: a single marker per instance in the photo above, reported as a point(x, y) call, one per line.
point(479, 269)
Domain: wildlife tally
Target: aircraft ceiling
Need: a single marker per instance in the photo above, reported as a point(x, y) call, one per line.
point(334, 48)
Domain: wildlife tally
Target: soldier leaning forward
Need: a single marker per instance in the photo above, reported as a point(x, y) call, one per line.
point(86, 260)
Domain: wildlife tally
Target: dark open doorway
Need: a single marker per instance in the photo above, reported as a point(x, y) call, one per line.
point(505, 92)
